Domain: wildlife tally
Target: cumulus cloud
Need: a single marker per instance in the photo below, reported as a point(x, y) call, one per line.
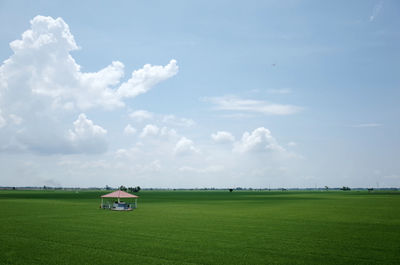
point(85, 128)
point(150, 130)
point(43, 66)
point(185, 146)
point(38, 137)
point(250, 105)
point(143, 79)
point(222, 137)
point(141, 115)
point(260, 140)
point(86, 136)
point(43, 89)
point(129, 130)
point(178, 162)
point(41, 86)
point(169, 119)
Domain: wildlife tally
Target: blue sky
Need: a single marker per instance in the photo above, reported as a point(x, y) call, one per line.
point(254, 94)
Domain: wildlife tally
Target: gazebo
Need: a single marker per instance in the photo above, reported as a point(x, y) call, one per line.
point(118, 205)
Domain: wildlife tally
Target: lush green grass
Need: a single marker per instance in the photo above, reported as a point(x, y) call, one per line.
point(198, 227)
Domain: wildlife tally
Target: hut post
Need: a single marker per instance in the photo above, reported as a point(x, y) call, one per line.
point(101, 202)
point(135, 203)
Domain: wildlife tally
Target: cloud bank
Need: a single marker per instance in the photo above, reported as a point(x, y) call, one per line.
point(42, 88)
point(49, 106)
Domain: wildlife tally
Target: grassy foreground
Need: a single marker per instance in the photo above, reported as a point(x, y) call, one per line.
point(201, 227)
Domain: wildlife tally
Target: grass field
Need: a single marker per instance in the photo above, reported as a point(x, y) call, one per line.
point(201, 227)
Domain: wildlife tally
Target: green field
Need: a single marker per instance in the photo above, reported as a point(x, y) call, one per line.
point(201, 227)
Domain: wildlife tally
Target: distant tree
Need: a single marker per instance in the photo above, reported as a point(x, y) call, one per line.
point(134, 189)
point(345, 188)
point(326, 188)
point(108, 187)
point(123, 188)
point(230, 190)
point(370, 189)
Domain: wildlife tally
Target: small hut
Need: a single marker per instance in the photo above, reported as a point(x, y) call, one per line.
point(112, 201)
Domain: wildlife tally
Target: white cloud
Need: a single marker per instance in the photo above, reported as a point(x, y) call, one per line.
point(87, 137)
point(45, 134)
point(173, 120)
point(222, 137)
point(291, 144)
point(279, 91)
point(45, 31)
point(185, 146)
point(260, 140)
point(129, 130)
point(149, 130)
point(376, 10)
point(85, 128)
point(43, 90)
point(176, 160)
point(258, 106)
point(142, 80)
point(42, 87)
point(141, 115)
point(42, 67)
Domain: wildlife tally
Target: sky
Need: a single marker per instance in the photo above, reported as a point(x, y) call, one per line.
point(193, 94)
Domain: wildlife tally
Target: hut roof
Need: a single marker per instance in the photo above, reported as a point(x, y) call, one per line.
point(119, 194)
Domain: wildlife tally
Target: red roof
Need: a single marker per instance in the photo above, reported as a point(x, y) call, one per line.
point(119, 194)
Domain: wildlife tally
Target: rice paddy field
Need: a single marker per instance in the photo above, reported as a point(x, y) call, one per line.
point(201, 227)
